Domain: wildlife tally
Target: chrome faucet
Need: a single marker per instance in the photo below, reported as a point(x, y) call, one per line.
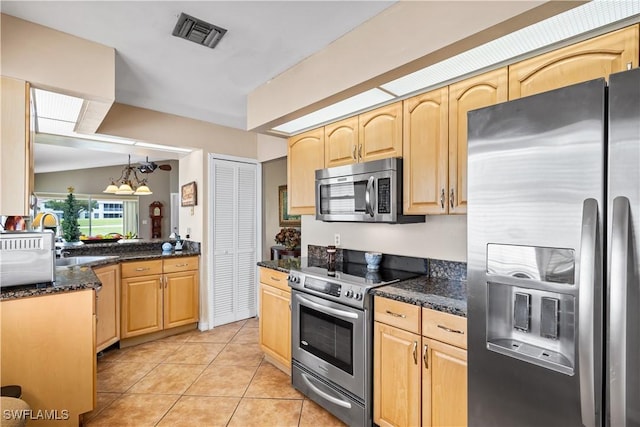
point(42, 221)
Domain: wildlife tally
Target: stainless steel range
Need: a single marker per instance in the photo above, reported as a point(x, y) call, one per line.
point(332, 336)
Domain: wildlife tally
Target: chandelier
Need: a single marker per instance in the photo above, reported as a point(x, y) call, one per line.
point(128, 183)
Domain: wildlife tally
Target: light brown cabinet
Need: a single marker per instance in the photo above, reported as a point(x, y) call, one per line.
point(419, 366)
point(426, 155)
point(380, 133)
point(587, 60)
point(16, 147)
point(108, 306)
point(158, 295)
point(341, 142)
point(476, 92)
point(275, 318)
point(305, 154)
point(444, 369)
point(48, 348)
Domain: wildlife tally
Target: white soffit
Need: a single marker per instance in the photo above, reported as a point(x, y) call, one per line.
point(588, 17)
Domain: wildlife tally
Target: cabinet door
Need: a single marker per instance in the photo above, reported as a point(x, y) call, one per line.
point(108, 306)
point(396, 376)
point(476, 92)
point(305, 155)
point(180, 298)
point(380, 133)
point(341, 142)
point(275, 324)
point(580, 62)
point(16, 147)
point(426, 156)
point(444, 384)
point(141, 309)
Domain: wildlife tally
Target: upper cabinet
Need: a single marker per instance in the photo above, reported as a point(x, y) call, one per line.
point(425, 149)
point(305, 155)
point(380, 133)
point(588, 60)
point(476, 92)
point(16, 148)
point(341, 142)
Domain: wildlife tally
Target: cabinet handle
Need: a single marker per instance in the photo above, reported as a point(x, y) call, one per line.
point(161, 282)
point(354, 153)
point(142, 268)
point(166, 281)
point(425, 356)
point(451, 198)
point(415, 352)
point(455, 331)
point(275, 279)
point(395, 314)
point(442, 198)
point(182, 265)
point(360, 152)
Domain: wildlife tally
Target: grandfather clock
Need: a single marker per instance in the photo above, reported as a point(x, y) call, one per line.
point(155, 213)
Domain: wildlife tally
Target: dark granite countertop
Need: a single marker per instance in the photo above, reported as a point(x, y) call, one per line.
point(440, 294)
point(445, 295)
point(79, 277)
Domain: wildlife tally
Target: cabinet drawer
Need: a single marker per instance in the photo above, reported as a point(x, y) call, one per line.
point(141, 268)
point(173, 265)
point(398, 314)
point(274, 278)
point(444, 327)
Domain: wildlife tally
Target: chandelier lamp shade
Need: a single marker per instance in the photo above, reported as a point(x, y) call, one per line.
point(129, 183)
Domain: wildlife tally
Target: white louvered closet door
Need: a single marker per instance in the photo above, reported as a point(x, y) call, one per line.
point(233, 274)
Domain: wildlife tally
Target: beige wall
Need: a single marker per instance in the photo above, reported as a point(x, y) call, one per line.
point(271, 147)
point(407, 36)
point(274, 174)
point(440, 237)
point(94, 180)
point(54, 60)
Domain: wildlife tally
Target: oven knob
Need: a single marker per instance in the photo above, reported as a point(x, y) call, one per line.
point(358, 296)
point(349, 293)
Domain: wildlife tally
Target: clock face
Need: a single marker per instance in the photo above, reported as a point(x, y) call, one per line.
point(156, 211)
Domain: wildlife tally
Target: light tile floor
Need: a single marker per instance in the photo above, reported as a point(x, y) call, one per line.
point(213, 378)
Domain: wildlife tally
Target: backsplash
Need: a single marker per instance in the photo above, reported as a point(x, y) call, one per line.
point(120, 248)
point(442, 269)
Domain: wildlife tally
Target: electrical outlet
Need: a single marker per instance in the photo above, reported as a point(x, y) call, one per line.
point(336, 239)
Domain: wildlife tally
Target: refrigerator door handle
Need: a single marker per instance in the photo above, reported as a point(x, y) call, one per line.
point(618, 311)
point(586, 301)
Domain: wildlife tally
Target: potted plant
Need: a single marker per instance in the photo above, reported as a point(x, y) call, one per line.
point(70, 211)
point(289, 237)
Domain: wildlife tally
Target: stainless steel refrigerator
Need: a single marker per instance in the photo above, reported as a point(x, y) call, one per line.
point(553, 258)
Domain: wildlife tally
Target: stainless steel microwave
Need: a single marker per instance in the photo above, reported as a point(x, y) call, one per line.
point(362, 192)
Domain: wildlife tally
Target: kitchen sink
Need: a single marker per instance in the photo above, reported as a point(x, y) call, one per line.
point(80, 260)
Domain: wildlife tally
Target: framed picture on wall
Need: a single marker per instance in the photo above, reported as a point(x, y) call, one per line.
point(188, 194)
point(286, 220)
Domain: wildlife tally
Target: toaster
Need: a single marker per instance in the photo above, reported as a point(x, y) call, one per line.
point(27, 257)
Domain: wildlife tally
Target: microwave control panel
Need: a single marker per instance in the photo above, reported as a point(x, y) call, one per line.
point(384, 195)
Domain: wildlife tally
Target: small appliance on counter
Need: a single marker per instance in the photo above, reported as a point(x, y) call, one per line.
point(27, 257)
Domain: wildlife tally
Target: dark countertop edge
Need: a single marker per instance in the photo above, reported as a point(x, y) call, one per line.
point(444, 295)
point(76, 278)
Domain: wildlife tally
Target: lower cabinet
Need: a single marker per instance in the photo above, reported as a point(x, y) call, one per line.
point(108, 306)
point(47, 346)
point(158, 295)
point(275, 318)
point(420, 366)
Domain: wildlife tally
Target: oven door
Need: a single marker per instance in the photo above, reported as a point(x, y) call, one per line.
point(329, 339)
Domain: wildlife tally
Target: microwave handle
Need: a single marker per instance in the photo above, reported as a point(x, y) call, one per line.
point(370, 196)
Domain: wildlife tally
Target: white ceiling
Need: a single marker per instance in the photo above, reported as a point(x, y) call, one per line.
point(158, 71)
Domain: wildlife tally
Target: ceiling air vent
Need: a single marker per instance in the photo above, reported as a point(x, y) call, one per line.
point(198, 31)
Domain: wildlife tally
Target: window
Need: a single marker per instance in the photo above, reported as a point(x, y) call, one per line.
point(99, 214)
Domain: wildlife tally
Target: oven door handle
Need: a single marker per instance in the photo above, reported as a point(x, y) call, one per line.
point(327, 310)
point(325, 395)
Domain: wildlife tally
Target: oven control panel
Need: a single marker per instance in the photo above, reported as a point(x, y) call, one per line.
point(322, 286)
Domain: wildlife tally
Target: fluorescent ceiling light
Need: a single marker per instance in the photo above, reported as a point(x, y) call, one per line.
point(579, 20)
point(163, 147)
point(358, 102)
point(56, 114)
